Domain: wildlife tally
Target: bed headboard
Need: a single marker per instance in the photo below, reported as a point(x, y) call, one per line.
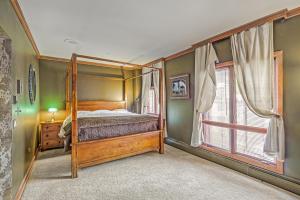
point(101, 105)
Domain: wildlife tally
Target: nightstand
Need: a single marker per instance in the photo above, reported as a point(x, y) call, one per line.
point(49, 135)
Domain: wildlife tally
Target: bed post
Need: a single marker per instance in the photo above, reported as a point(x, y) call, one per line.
point(68, 103)
point(74, 116)
point(161, 108)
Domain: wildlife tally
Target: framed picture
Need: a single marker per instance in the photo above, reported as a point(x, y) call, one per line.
point(180, 86)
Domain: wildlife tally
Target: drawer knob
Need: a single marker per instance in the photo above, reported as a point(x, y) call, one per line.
point(47, 135)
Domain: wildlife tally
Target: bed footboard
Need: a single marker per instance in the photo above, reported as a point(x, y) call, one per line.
point(105, 150)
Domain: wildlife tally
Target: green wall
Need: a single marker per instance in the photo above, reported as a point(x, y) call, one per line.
point(180, 111)
point(90, 84)
point(286, 38)
point(25, 133)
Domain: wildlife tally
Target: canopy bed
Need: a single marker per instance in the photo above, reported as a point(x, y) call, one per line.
point(108, 132)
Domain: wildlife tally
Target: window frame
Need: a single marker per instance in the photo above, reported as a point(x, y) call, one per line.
point(155, 105)
point(274, 167)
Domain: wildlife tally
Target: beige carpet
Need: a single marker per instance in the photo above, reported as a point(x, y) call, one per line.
point(174, 175)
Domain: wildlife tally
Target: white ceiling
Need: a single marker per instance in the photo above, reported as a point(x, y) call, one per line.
point(136, 30)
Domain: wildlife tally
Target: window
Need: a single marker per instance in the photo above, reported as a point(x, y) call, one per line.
point(231, 129)
point(152, 105)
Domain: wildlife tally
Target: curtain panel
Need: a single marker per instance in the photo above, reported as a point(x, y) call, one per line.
point(160, 65)
point(255, 74)
point(205, 88)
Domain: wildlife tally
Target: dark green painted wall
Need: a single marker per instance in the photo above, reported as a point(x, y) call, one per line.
point(90, 85)
point(180, 112)
point(25, 133)
point(286, 38)
point(52, 81)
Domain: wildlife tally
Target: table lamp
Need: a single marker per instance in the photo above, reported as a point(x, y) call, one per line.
point(52, 111)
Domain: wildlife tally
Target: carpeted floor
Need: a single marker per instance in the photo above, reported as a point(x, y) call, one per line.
point(174, 175)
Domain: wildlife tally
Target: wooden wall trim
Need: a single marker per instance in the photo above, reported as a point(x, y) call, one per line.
point(20, 15)
point(51, 58)
point(155, 61)
point(178, 54)
point(269, 18)
point(26, 177)
point(282, 14)
point(293, 13)
point(224, 64)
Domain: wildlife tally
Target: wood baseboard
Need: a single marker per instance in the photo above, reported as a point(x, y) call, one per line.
point(27, 176)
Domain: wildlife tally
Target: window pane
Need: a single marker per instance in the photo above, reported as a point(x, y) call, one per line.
point(220, 109)
point(252, 144)
point(217, 137)
point(247, 117)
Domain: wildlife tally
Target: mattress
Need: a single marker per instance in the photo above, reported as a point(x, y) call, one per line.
point(94, 128)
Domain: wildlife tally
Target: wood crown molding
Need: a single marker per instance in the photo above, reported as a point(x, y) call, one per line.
point(27, 176)
point(285, 13)
point(180, 53)
point(16, 6)
point(282, 14)
point(269, 18)
point(293, 13)
point(155, 61)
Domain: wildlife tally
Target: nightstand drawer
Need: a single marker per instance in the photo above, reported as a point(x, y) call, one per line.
point(53, 134)
point(51, 127)
point(51, 143)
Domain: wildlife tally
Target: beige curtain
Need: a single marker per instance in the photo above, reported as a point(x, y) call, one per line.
point(160, 65)
point(205, 88)
point(254, 70)
point(146, 85)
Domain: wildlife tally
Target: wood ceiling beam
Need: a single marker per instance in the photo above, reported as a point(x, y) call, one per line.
point(16, 6)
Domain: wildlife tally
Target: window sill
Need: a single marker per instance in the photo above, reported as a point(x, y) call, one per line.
point(276, 167)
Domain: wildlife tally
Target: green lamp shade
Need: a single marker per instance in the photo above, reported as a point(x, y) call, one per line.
point(52, 110)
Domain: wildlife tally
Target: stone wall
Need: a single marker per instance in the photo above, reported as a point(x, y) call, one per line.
point(5, 117)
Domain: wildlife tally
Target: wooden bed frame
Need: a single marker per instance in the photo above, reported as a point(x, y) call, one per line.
point(94, 152)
